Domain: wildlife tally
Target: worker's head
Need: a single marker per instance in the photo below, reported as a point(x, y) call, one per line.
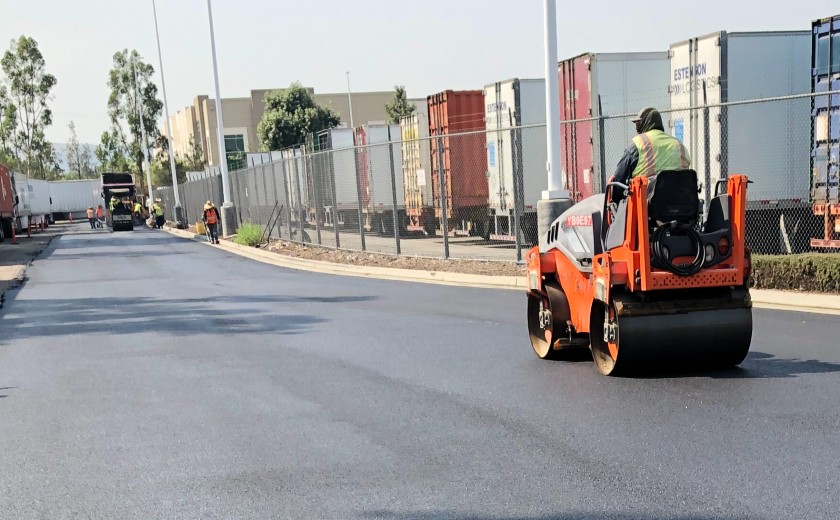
point(648, 119)
point(208, 205)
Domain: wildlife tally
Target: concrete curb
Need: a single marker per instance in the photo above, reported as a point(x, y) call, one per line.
point(761, 298)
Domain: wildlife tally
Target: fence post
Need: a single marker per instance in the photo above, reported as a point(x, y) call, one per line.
point(518, 182)
point(299, 198)
point(310, 171)
point(287, 194)
point(707, 166)
point(359, 193)
point(331, 178)
point(394, 192)
point(602, 156)
point(444, 225)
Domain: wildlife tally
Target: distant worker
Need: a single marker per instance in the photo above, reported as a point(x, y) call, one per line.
point(652, 151)
point(138, 210)
point(157, 211)
point(114, 203)
point(211, 219)
point(91, 218)
point(100, 216)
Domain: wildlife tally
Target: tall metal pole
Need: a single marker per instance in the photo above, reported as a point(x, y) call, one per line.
point(228, 211)
point(179, 212)
point(144, 146)
point(555, 200)
point(350, 99)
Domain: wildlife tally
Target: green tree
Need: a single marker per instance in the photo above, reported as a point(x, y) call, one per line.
point(290, 116)
point(128, 99)
point(399, 106)
point(162, 171)
point(28, 87)
point(8, 123)
point(79, 156)
point(111, 153)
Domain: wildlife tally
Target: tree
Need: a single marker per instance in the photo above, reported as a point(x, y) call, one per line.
point(111, 153)
point(128, 99)
point(28, 90)
point(194, 161)
point(398, 107)
point(162, 170)
point(290, 116)
point(8, 123)
point(79, 157)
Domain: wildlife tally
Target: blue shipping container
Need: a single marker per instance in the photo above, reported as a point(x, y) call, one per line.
point(825, 110)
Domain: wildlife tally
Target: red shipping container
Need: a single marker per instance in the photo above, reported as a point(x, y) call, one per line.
point(464, 158)
point(7, 202)
point(575, 138)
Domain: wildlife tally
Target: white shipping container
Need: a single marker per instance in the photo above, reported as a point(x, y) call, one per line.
point(516, 157)
point(343, 166)
point(377, 154)
point(24, 210)
point(39, 197)
point(769, 142)
point(417, 166)
point(75, 196)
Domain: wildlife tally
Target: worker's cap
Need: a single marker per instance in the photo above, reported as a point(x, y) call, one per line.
point(208, 203)
point(642, 113)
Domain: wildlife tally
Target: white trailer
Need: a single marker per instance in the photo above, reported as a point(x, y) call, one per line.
point(337, 179)
point(417, 170)
point(70, 199)
point(39, 202)
point(379, 170)
point(23, 212)
point(769, 142)
point(516, 156)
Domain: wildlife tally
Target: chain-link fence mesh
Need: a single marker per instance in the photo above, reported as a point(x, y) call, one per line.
point(414, 189)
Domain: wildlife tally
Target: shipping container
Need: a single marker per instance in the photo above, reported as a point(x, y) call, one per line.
point(825, 131)
point(39, 202)
point(24, 210)
point(417, 171)
point(334, 173)
point(769, 142)
point(604, 84)
point(70, 199)
point(379, 170)
point(461, 158)
point(7, 203)
point(516, 157)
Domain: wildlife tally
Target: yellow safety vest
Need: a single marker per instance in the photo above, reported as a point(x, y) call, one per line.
point(658, 152)
point(158, 209)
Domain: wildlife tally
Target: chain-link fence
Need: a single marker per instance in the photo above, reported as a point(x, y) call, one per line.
point(408, 189)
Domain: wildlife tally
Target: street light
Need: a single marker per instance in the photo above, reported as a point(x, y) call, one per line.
point(555, 200)
point(144, 145)
point(179, 212)
point(228, 211)
point(349, 99)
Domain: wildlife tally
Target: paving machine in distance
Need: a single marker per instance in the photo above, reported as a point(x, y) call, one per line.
point(119, 216)
point(640, 279)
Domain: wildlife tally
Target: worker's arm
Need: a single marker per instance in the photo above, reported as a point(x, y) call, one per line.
point(627, 164)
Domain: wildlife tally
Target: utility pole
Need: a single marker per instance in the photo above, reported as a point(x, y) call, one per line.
point(228, 211)
point(555, 200)
point(179, 211)
point(349, 99)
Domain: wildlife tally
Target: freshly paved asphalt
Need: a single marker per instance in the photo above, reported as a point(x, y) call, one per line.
point(143, 376)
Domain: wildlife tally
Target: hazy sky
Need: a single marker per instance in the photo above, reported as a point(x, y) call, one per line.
point(427, 46)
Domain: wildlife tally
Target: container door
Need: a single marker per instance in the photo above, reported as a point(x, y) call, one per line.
point(495, 168)
point(575, 135)
point(696, 76)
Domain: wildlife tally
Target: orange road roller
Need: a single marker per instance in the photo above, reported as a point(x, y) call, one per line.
point(638, 276)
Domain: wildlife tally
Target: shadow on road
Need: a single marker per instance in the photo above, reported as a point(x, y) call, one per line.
point(758, 365)
point(177, 317)
point(580, 515)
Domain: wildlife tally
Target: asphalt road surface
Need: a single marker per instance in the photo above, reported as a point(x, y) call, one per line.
point(143, 376)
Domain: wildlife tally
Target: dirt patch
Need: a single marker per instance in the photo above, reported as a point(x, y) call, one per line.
point(324, 254)
point(398, 262)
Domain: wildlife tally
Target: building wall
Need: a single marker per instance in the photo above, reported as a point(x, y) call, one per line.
point(242, 115)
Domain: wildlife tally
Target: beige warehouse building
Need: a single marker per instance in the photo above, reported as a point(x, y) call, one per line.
point(197, 123)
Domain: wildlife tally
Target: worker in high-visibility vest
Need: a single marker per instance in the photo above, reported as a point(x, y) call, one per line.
point(211, 218)
point(91, 216)
point(157, 211)
point(652, 150)
point(138, 210)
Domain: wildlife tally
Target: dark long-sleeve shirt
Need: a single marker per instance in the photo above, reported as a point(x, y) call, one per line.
point(627, 164)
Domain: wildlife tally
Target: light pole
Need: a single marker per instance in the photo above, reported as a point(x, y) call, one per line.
point(555, 200)
point(349, 99)
point(179, 212)
point(228, 211)
point(144, 146)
